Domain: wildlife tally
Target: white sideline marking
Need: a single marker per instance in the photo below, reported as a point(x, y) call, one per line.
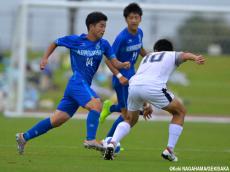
point(155, 117)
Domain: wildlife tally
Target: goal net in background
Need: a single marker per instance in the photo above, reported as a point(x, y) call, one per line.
point(201, 29)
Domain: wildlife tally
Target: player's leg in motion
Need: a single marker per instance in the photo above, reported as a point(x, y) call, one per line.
point(124, 127)
point(94, 107)
point(65, 110)
point(40, 128)
point(107, 109)
point(121, 131)
point(114, 126)
point(122, 96)
point(175, 128)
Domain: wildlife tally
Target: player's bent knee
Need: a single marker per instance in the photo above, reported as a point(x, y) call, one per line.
point(94, 104)
point(178, 109)
point(97, 106)
point(179, 113)
point(59, 118)
point(182, 111)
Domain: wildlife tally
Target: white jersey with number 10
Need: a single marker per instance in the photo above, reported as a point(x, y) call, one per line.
point(156, 68)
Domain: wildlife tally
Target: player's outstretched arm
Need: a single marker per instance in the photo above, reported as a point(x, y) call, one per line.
point(199, 59)
point(123, 80)
point(119, 65)
point(45, 57)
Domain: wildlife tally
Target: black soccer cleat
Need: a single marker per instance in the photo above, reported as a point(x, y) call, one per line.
point(109, 152)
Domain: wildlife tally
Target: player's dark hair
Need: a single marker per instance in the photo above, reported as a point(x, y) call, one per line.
point(163, 45)
point(94, 18)
point(132, 8)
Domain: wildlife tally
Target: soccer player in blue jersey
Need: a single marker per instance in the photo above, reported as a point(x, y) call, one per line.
point(86, 52)
point(127, 47)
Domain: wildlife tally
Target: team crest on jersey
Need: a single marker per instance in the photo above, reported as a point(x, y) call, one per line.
point(82, 44)
point(97, 46)
point(130, 41)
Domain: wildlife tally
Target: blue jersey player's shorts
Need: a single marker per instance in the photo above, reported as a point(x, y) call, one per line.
point(77, 93)
point(122, 95)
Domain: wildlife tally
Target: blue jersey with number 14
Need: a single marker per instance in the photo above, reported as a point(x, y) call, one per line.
point(85, 55)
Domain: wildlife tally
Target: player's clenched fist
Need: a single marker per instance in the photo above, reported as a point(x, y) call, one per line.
point(43, 63)
point(126, 65)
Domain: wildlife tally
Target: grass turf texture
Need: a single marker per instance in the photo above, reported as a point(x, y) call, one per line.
point(201, 144)
point(208, 92)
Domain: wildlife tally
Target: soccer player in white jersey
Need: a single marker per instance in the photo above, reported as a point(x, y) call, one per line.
point(148, 86)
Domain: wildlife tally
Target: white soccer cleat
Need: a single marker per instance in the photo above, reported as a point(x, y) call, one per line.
point(169, 155)
point(20, 143)
point(109, 152)
point(93, 144)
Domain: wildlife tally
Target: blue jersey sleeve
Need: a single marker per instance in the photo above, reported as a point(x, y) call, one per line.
point(117, 44)
point(108, 50)
point(142, 35)
point(67, 41)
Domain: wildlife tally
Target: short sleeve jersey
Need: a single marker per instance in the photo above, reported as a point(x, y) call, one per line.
point(85, 55)
point(127, 47)
point(156, 68)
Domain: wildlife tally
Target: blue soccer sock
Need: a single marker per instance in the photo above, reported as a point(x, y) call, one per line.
point(38, 129)
point(92, 124)
point(115, 108)
point(115, 124)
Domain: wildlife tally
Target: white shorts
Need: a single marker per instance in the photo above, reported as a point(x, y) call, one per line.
point(138, 94)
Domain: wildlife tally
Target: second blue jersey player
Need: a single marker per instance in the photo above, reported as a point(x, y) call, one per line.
point(127, 47)
point(86, 52)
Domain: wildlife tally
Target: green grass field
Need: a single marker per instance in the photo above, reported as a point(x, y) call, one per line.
point(208, 92)
point(61, 150)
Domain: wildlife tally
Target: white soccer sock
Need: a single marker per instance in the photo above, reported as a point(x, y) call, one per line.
point(175, 131)
point(121, 131)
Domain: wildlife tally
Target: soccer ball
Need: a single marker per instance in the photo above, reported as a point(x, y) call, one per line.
point(107, 140)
